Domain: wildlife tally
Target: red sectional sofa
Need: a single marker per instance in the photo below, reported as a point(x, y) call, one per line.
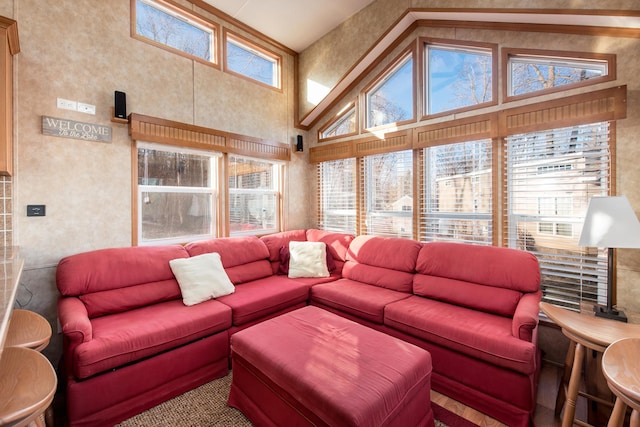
point(129, 341)
point(474, 308)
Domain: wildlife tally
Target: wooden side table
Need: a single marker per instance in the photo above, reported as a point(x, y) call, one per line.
point(584, 331)
point(28, 329)
point(621, 369)
point(27, 386)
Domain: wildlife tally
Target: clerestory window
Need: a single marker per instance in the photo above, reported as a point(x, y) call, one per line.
point(251, 61)
point(345, 123)
point(168, 26)
point(458, 77)
point(536, 72)
point(391, 98)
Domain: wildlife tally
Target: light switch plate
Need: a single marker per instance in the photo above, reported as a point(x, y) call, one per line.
point(86, 108)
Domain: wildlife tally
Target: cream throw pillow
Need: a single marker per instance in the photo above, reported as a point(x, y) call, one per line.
point(201, 278)
point(308, 259)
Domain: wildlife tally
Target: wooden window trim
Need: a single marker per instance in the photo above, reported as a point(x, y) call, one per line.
point(215, 56)
point(424, 41)
point(244, 41)
point(507, 53)
point(162, 131)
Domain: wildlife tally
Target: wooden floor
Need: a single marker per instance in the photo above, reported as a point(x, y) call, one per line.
point(550, 377)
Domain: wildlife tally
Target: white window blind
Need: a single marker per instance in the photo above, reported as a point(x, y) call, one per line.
point(551, 175)
point(253, 196)
point(457, 193)
point(388, 194)
point(337, 195)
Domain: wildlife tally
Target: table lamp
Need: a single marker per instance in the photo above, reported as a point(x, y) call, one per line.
point(610, 223)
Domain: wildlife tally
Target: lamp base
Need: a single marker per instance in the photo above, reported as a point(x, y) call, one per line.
point(609, 313)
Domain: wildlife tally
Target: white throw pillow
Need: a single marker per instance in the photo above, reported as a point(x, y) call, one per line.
point(201, 278)
point(308, 259)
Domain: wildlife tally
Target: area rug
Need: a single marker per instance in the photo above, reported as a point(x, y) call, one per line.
point(207, 406)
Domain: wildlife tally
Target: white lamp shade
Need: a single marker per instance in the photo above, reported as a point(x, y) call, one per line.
point(610, 222)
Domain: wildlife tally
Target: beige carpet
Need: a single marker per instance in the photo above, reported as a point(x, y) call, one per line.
point(203, 406)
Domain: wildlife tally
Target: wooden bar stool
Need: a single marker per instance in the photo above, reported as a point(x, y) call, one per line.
point(27, 385)
point(28, 329)
point(621, 369)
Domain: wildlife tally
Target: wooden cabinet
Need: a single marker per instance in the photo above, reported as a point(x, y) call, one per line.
point(9, 46)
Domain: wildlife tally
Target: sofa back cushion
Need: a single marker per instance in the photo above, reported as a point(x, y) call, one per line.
point(243, 258)
point(119, 279)
point(337, 244)
point(387, 262)
point(276, 241)
point(485, 278)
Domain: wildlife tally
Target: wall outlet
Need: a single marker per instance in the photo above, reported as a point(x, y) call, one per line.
point(86, 108)
point(66, 104)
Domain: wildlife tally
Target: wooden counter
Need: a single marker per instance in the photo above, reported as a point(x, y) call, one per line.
point(10, 270)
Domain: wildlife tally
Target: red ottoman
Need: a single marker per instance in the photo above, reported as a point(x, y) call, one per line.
point(312, 367)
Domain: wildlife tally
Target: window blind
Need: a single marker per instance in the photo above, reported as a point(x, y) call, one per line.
point(387, 194)
point(253, 196)
point(457, 193)
point(337, 195)
point(551, 175)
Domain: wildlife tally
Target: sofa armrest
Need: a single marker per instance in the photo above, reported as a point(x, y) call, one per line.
point(525, 318)
point(74, 320)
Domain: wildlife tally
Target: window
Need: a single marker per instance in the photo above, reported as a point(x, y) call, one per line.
point(391, 99)
point(249, 60)
point(171, 27)
point(254, 197)
point(176, 194)
point(388, 194)
point(551, 175)
point(529, 73)
point(337, 193)
point(457, 77)
point(344, 124)
point(553, 207)
point(457, 193)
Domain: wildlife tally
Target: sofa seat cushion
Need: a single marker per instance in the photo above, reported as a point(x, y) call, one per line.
point(356, 298)
point(126, 337)
point(262, 297)
point(478, 334)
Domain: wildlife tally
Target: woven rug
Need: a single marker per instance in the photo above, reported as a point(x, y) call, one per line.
point(207, 406)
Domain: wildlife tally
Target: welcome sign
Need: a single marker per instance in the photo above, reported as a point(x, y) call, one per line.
point(76, 130)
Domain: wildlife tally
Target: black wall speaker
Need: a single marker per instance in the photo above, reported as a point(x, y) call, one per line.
point(299, 146)
point(120, 110)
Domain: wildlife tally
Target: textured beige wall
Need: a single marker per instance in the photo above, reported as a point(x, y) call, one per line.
point(351, 35)
point(82, 50)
